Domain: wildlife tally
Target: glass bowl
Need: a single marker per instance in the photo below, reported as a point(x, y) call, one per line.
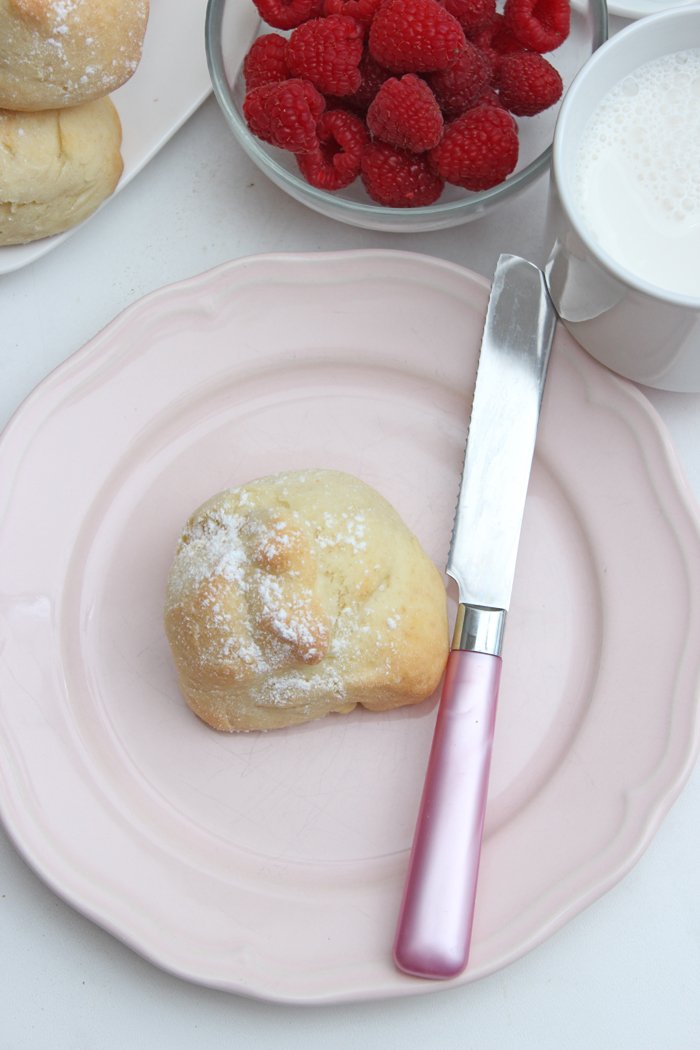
point(232, 25)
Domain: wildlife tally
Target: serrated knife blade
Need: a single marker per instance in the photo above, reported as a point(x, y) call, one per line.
point(435, 922)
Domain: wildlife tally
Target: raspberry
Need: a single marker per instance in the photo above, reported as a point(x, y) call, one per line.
point(285, 114)
point(397, 178)
point(471, 14)
point(488, 97)
point(327, 51)
point(527, 83)
point(405, 114)
point(362, 11)
point(409, 94)
point(459, 86)
point(415, 36)
point(372, 76)
point(539, 25)
point(287, 14)
point(336, 163)
point(266, 61)
point(478, 150)
point(495, 39)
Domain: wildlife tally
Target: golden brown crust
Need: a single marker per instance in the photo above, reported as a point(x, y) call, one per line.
point(58, 53)
point(56, 167)
point(298, 595)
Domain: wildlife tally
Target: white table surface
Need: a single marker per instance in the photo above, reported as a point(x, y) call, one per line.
point(623, 974)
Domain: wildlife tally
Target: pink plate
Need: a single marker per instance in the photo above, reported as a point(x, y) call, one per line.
point(273, 864)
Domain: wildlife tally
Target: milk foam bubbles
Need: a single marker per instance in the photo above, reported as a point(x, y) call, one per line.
point(637, 180)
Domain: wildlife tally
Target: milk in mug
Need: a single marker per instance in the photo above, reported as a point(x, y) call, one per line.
point(637, 178)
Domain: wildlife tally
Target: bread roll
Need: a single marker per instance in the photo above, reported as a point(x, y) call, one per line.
point(56, 53)
point(301, 594)
point(56, 167)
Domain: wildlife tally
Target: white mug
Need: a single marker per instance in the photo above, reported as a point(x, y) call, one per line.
point(639, 327)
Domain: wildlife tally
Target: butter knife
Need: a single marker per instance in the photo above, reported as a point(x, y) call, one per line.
point(435, 921)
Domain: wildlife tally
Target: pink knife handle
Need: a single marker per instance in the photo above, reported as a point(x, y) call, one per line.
point(437, 912)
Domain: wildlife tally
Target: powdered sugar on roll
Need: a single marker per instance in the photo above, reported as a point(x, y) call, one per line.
point(299, 595)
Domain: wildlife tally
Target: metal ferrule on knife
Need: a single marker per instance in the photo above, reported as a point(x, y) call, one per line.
point(478, 629)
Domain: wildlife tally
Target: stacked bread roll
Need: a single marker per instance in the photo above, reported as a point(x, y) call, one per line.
point(60, 133)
